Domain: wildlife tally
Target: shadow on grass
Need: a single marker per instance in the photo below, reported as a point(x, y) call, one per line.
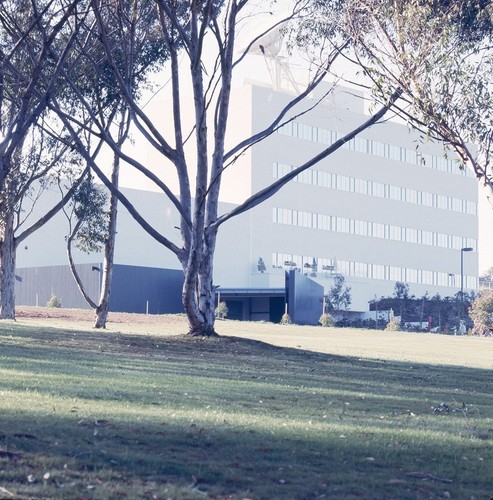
point(106, 416)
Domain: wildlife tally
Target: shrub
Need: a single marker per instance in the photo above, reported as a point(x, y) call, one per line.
point(54, 302)
point(481, 313)
point(327, 320)
point(394, 325)
point(221, 310)
point(286, 319)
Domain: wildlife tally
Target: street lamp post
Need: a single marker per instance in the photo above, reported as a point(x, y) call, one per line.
point(462, 327)
point(462, 250)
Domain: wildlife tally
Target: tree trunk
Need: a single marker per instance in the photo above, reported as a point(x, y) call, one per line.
point(206, 297)
point(7, 272)
point(109, 253)
point(199, 292)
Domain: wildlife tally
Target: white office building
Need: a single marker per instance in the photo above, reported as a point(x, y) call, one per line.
point(386, 207)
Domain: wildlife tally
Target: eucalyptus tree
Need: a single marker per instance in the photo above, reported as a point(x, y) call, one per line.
point(438, 53)
point(95, 103)
point(35, 39)
point(198, 153)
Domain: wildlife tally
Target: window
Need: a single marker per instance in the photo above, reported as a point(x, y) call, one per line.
point(282, 216)
point(427, 199)
point(343, 183)
point(456, 205)
point(305, 177)
point(378, 230)
point(412, 196)
point(361, 227)
point(361, 186)
point(426, 238)
point(411, 235)
point(442, 240)
point(342, 224)
point(427, 277)
point(395, 233)
point(396, 273)
point(378, 271)
point(378, 189)
point(305, 219)
point(412, 275)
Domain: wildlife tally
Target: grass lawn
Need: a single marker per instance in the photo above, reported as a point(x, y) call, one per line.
point(264, 412)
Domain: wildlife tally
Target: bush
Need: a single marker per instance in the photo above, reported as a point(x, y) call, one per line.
point(394, 325)
point(286, 319)
point(54, 302)
point(327, 320)
point(481, 313)
point(221, 310)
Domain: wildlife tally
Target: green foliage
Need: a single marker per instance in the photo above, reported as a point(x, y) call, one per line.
point(339, 296)
point(437, 53)
point(327, 320)
point(487, 275)
point(445, 312)
point(481, 313)
point(54, 302)
point(401, 290)
point(88, 208)
point(286, 319)
point(394, 325)
point(221, 310)
point(261, 265)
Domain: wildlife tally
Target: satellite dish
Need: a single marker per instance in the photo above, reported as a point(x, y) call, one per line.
point(270, 47)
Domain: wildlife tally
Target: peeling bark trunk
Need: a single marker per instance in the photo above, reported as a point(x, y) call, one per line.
point(206, 287)
point(198, 290)
point(7, 272)
point(109, 252)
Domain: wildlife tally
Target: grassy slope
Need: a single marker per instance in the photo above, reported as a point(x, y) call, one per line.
point(108, 415)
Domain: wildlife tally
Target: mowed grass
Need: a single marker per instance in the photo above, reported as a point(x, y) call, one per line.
point(116, 414)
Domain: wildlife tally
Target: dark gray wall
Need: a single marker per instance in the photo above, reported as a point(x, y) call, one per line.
point(135, 289)
point(304, 298)
point(35, 285)
point(146, 289)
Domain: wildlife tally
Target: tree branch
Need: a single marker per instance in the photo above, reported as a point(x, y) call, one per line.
point(269, 191)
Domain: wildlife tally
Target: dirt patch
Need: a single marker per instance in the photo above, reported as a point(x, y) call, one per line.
point(88, 315)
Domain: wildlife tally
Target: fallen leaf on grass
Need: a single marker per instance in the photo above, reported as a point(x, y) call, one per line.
point(425, 476)
point(6, 492)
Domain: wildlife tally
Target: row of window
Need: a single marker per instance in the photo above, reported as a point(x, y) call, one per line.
point(373, 271)
point(377, 189)
point(372, 147)
point(370, 229)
